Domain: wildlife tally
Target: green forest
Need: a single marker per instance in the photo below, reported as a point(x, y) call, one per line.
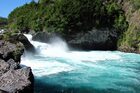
point(67, 16)
point(3, 22)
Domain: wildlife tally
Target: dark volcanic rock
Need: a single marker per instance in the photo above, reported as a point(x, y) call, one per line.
point(13, 64)
point(10, 51)
point(91, 40)
point(94, 40)
point(28, 46)
point(1, 91)
point(13, 78)
point(45, 37)
point(41, 37)
point(4, 67)
point(17, 81)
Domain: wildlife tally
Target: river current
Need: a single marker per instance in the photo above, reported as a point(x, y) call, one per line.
point(57, 69)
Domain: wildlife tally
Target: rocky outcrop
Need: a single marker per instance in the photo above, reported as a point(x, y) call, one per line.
point(23, 39)
point(28, 46)
point(4, 67)
point(9, 50)
point(1, 91)
point(91, 40)
point(13, 77)
point(17, 81)
point(130, 41)
point(41, 37)
point(94, 40)
point(44, 37)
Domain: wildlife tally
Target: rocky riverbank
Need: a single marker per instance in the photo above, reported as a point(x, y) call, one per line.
point(14, 78)
point(130, 41)
point(92, 40)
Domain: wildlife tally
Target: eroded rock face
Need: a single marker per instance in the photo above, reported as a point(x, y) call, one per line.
point(13, 77)
point(41, 37)
point(4, 67)
point(91, 40)
point(28, 46)
point(13, 64)
point(17, 81)
point(1, 91)
point(44, 37)
point(95, 40)
point(130, 41)
point(10, 51)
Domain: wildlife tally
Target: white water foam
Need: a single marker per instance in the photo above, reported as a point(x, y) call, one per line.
point(101, 70)
point(44, 68)
point(58, 49)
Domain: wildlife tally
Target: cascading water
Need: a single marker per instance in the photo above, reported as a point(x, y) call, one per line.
point(59, 70)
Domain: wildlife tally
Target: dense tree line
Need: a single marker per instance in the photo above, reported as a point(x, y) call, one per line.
point(3, 22)
point(67, 16)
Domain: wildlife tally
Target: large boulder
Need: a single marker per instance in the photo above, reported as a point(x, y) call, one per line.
point(13, 77)
point(94, 40)
point(17, 81)
point(24, 40)
point(9, 50)
point(4, 67)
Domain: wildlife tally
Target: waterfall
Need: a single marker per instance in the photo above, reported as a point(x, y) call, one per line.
point(57, 68)
point(55, 47)
point(58, 52)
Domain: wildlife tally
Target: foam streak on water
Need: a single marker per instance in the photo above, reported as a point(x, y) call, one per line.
point(65, 71)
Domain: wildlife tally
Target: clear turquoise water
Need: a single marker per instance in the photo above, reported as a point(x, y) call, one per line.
point(59, 70)
point(86, 72)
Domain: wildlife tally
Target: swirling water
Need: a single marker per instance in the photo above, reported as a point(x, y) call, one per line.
point(59, 70)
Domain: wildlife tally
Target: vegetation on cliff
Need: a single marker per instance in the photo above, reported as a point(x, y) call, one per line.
point(68, 16)
point(130, 40)
point(3, 22)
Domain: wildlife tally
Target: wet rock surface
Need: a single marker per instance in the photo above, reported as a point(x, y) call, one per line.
point(94, 40)
point(13, 77)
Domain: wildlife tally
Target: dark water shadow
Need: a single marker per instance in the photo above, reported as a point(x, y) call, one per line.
point(43, 87)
